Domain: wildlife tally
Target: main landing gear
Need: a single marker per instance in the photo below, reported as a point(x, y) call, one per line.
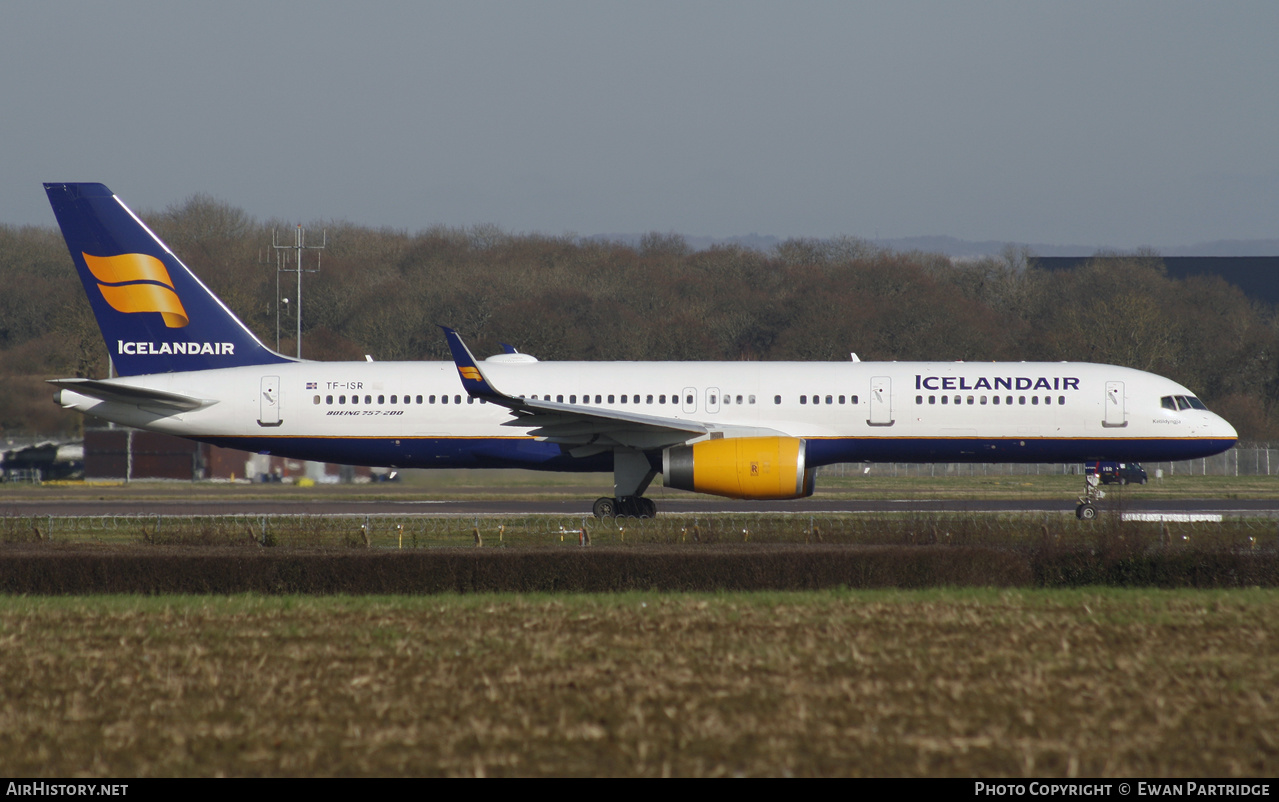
point(631, 476)
point(627, 507)
point(1087, 508)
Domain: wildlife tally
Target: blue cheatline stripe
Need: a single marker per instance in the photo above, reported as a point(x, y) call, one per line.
point(525, 452)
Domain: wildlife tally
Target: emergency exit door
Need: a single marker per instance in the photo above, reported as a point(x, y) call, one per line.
point(881, 401)
point(1115, 414)
point(269, 402)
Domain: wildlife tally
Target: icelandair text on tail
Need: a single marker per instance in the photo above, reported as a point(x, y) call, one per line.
point(190, 348)
point(65, 789)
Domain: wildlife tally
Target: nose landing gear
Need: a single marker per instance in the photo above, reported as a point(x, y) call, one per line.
point(1087, 507)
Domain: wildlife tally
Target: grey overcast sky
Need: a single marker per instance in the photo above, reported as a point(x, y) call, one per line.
point(1111, 123)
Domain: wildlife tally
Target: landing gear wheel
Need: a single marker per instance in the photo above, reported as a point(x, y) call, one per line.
point(1087, 509)
point(628, 507)
point(605, 508)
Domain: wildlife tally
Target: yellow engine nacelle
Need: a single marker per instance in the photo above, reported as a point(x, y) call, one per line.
point(740, 467)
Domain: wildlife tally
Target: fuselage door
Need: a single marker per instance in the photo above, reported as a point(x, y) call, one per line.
point(269, 402)
point(881, 401)
point(688, 400)
point(1115, 405)
point(712, 399)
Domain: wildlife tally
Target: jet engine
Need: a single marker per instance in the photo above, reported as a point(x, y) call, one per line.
point(741, 467)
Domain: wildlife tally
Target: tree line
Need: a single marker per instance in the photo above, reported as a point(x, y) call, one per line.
point(382, 291)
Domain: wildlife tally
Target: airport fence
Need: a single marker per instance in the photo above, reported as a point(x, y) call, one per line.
point(427, 531)
point(1254, 459)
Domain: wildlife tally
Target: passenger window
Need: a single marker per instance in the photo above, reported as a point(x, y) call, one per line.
point(841, 399)
point(419, 399)
point(597, 399)
point(777, 399)
point(739, 399)
point(328, 399)
point(751, 399)
point(572, 399)
point(970, 400)
point(444, 399)
point(803, 399)
point(381, 399)
point(623, 399)
point(559, 399)
point(1061, 399)
point(995, 399)
point(828, 399)
point(919, 399)
point(983, 400)
point(634, 399)
point(945, 399)
point(853, 400)
point(368, 399)
point(610, 399)
point(457, 399)
point(341, 399)
point(661, 399)
point(689, 400)
point(470, 399)
point(959, 400)
point(1021, 399)
point(932, 399)
point(317, 399)
point(1034, 400)
point(648, 399)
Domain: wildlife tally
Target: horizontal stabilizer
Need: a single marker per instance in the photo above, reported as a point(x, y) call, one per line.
point(127, 394)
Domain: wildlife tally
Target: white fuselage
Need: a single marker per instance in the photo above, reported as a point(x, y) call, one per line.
point(417, 414)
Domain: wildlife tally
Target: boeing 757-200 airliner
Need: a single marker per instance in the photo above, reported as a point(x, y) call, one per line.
point(745, 430)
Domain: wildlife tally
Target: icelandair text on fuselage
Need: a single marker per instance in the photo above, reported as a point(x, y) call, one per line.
point(996, 383)
point(1122, 789)
point(65, 789)
point(189, 348)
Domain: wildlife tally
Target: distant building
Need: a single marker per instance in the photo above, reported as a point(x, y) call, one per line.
point(1257, 276)
point(119, 453)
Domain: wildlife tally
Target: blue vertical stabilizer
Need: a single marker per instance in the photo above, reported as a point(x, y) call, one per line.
point(155, 315)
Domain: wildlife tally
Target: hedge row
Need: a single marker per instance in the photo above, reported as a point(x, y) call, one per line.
point(40, 570)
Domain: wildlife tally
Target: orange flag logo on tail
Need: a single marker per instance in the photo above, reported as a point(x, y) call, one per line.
point(135, 282)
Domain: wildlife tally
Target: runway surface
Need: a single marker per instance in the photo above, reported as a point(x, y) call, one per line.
point(1253, 508)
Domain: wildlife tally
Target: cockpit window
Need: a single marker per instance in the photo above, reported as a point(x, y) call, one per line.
point(1179, 402)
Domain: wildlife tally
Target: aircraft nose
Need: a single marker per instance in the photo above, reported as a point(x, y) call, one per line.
point(1222, 428)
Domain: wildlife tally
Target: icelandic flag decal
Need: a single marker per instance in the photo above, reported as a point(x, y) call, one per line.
point(310, 385)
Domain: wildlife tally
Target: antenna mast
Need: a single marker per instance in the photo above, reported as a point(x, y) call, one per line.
point(299, 245)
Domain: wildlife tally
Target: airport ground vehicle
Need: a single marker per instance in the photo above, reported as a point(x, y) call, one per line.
point(1119, 473)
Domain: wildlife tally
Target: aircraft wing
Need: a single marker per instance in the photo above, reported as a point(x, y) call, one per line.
point(126, 394)
point(587, 430)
